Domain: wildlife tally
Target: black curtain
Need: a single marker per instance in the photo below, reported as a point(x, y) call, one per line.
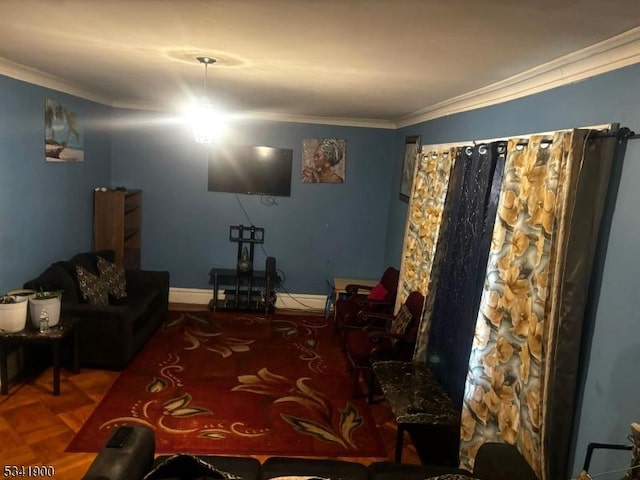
point(472, 212)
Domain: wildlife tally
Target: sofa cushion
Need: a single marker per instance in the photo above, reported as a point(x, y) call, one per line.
point(113, 275)
point(274, 467)
point(139, 304)
point(246, 468)
point(186, 466)
point(94, 289)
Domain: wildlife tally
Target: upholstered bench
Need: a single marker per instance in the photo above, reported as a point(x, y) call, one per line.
point(421, 405)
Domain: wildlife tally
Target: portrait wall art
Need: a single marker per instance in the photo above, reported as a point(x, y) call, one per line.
point(411, 150)
point(324, 160)
point(63, 135)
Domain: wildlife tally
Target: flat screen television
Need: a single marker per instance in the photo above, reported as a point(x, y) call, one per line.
point(255, 170)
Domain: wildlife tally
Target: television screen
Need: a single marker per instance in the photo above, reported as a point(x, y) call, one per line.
point(253, 170)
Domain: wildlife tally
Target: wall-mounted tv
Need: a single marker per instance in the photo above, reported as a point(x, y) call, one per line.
point(252, 170)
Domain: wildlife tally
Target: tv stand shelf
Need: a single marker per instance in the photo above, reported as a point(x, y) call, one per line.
point(249, 291)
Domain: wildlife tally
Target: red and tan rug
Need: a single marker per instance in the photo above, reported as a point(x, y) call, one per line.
point(239, 384)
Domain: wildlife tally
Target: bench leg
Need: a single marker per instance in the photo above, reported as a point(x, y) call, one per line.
point(399, 441)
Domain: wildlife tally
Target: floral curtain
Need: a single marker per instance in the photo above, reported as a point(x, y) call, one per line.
point(420, 255)
point(521, 379)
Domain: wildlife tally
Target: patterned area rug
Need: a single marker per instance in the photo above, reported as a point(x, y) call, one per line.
point(239, 384)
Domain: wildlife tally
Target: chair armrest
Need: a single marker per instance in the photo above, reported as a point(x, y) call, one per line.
point(377, 335)
point(375, 320)
point(375, 315)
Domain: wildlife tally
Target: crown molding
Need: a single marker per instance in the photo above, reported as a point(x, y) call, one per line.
point(343, 122)
point(36, 77)
point(611, 54)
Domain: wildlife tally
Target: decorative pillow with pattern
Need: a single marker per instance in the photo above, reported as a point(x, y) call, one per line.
point(93, 289)
point(401, 321)
point(113, 275)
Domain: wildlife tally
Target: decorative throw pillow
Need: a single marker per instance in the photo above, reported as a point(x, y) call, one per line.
point(378, 292)
point(113, 275)
point(93, 289)
point(401, 321)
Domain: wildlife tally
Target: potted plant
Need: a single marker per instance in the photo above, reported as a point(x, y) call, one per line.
point(13, 313)
point(48, 301)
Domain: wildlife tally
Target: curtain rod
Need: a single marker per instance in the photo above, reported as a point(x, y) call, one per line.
point(604, 129)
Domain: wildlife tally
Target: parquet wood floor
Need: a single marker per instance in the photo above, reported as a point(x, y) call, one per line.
point(35, 426)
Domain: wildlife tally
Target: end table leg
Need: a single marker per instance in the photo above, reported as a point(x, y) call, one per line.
point(267, 297)
point(4, 376)
point(399, 441)
point(56, 368)
point(215, 291)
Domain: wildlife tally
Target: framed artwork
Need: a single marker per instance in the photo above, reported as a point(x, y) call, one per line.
point(324, 160)
point(411, 150)
point(63, 136)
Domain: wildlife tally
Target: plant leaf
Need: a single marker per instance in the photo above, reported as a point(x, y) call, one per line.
point(350, 421)
point(314, 429)
point(189, 412)
point(156, 385)
point(176, 403)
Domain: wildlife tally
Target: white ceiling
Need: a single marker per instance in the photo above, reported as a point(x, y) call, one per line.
point(383, 62)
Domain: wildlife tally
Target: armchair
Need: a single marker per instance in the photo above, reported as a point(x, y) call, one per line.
point(380, 298)
point(384, 337)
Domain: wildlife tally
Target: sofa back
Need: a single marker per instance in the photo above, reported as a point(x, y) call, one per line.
point(62, 275)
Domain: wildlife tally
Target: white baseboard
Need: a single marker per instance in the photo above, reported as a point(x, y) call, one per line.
point(295, 301)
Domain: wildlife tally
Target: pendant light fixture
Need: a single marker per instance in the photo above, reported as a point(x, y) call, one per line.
point(204, 118)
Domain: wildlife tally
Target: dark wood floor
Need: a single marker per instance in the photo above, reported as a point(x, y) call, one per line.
point(35, 426)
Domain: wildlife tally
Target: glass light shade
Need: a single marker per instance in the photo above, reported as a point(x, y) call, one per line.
point(205, 121)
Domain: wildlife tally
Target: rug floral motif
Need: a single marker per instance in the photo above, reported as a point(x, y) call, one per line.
point(239, 384)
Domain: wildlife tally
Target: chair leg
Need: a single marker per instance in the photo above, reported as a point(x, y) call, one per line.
point(372, 387)
point(356, 381)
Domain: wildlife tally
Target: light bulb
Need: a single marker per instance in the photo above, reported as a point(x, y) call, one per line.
point(205, 121)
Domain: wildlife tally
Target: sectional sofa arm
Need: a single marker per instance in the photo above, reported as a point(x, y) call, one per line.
point(147, 280)
point(127, 455)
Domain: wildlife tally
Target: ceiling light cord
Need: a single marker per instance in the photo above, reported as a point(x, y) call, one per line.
point(206, 69)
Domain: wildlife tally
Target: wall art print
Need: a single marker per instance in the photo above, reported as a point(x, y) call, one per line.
point(411, 150)
point(63, 138)
point(324, 160)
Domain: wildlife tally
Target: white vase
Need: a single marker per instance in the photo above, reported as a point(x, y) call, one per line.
point(51, 305)
point(23, 293)
point(13, 316)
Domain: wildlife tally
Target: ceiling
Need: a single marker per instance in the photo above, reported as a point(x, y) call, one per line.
point(384, 62)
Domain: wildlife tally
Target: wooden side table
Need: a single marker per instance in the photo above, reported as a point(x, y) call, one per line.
point(31, 335)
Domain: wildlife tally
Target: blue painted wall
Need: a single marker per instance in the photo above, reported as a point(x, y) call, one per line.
point(611, 389)
point(45, 208)
point(321, 231)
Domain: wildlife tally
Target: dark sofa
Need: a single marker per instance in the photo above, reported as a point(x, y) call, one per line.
point(129, 454)
point(109, 335)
